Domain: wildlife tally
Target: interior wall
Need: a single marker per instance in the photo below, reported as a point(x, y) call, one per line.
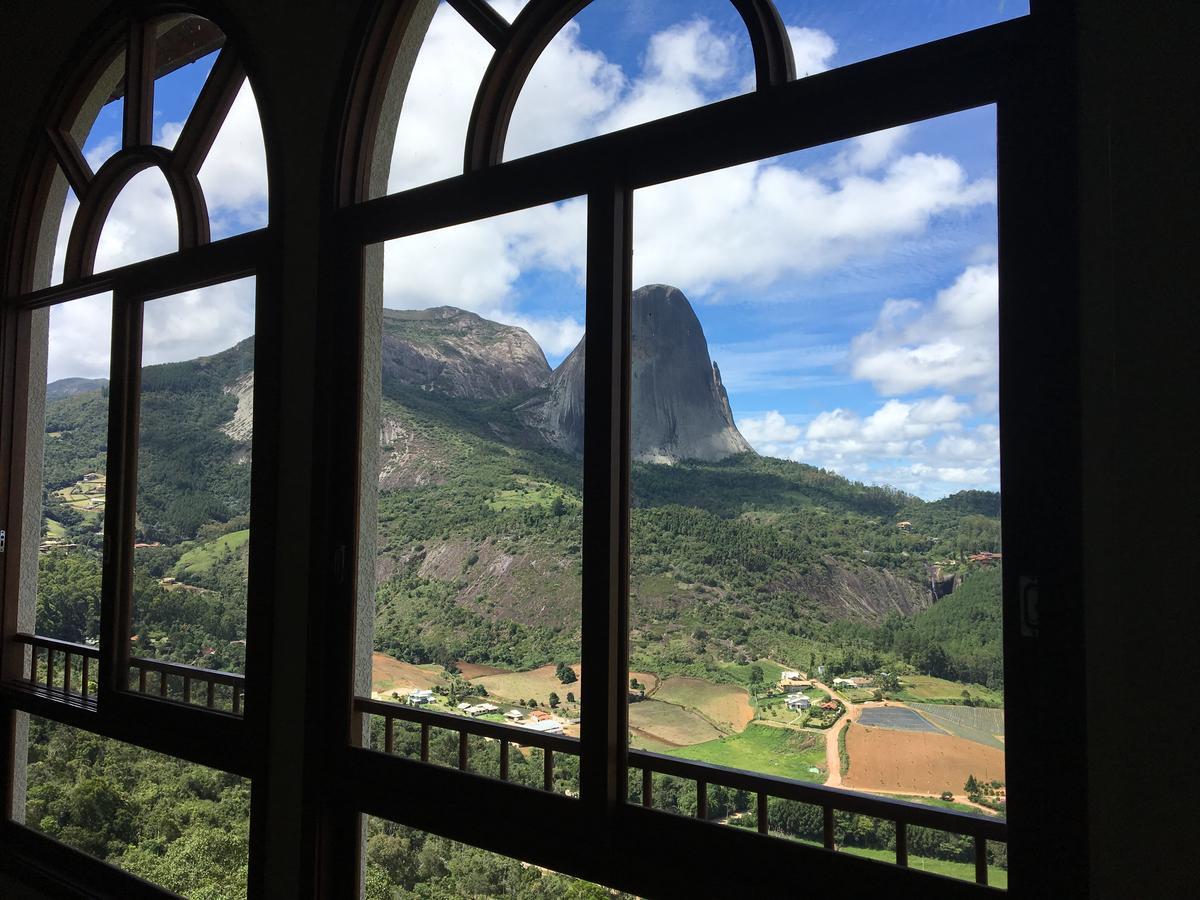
point(1140, 364)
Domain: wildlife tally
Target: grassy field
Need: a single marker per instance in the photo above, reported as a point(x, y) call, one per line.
point(530, 494)
point(668, 725)
point(770, 670)
point(54, 530)
point(726, 705)
point(926, 688)
point(761, 748)
point(200, 559)
point(536, 684)
point(965, 871)
point(939, 802)
point(975, 723)
point(388, 675)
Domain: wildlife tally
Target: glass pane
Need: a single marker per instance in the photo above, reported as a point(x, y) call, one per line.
point(816, 515)
point(826, 35)
point(193, 498)
point(141, 225)
point(185, 51)
point(70, 207)
point(615, 65)
point(432, 132)
point(407, 862)
point(234, 175)
point(73, 447)
point(180, 825)
point(478, 544)
point(104, 135)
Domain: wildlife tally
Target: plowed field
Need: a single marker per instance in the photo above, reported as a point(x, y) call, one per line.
point(882, 759)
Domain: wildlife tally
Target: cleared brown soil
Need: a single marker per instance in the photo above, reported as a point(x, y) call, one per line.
point(389, 674)
point(475, 670)
point(725, 704)
point(669, 724)
point(882, 759)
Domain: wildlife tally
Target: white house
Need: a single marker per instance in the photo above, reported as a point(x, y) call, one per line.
point(481, 709)
point(418, 698)
point(789, 676)
point(546, 726)
point(514, 714)
point(798, 701)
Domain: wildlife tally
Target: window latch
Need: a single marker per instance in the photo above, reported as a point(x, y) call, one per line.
point(3, 540)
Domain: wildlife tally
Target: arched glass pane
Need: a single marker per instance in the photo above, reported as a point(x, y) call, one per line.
point(234, 175)
point(185, 48)
point(141, 225)
point(70, 207)
point(432, 130)
point(100, 123)
point(616, 65)
point(826, 35)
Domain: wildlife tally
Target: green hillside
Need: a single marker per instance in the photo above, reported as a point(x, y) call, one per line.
point(479, 542)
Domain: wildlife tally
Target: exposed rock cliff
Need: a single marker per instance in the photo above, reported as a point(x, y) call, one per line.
point(457, 353)
point(679, 407)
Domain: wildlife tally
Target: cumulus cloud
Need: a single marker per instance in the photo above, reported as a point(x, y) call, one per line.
point(80, 341)
point(923, 446)
point(812, 50)
point(950, 344)
point(769, 429)
point(754, 224)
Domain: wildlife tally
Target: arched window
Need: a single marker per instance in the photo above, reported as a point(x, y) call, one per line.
point(130, 333)
point(721, 549)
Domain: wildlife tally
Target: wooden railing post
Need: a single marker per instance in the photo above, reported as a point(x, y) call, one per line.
point(901, 843)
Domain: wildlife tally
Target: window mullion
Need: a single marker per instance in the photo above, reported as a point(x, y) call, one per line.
point(603, 772)
point(119, 512)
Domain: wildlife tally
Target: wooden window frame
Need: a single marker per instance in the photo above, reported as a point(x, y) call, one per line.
point(135, 711)
point(1018, 67)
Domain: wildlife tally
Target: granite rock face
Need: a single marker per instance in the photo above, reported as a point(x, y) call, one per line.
point(679, 407)
point(459, 354)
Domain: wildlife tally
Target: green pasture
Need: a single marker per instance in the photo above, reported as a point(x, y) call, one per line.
point(201, 558)
point(761, 748)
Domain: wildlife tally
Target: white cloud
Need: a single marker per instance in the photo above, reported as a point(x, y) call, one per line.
point(812, 49)
point(234, 175)
point(751, 225)
point(949, 345)
point(80, 338)
point(770, 428)
point(197, 323)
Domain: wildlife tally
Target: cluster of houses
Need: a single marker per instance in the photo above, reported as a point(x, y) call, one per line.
point(539, 721)
point(854, 683)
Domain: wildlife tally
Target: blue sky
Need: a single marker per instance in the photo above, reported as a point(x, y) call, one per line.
point(847, 292)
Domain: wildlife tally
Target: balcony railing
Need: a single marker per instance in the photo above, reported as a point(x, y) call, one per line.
point(904, 814)
point(68, 670)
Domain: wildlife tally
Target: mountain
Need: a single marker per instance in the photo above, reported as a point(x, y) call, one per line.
point(679, 408)
point(459, 354)
point(70, 387)
point(478, 546)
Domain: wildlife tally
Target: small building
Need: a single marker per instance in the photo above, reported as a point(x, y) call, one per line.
point(539, 715)
point(829, 705)
point(418, 698)
point(546, 726)
point(793, 681)
point(904, 526)
point(463, 706)
point(482, 709)
point(515, 715)
point(798, 701)
point(844, 682)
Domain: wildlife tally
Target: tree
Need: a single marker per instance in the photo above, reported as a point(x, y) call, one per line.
point(570, 697)
point(756, 674)
point(633, 683)
point(553, 700)
point(972, 786)
point(565, 673)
